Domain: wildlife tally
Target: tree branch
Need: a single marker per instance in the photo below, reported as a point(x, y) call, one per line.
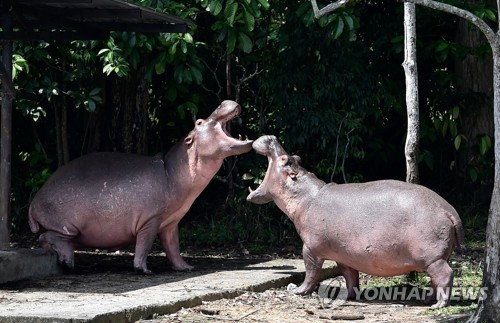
point(327, 9)
point(472, 18)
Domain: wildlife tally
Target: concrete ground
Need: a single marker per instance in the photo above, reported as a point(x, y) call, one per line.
point(18, 264)
point(114, 293)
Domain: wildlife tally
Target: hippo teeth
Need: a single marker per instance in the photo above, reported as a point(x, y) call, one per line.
point(240, 137)
point(250, 189)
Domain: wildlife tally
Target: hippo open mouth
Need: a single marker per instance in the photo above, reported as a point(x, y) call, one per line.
point(226, 112)
point(270, 147)
point(228, 118)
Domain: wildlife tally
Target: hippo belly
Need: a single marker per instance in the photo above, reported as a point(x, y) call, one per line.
point(98, 207)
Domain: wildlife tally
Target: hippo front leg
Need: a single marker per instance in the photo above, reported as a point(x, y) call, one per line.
point(169, 237)
point(313, 266)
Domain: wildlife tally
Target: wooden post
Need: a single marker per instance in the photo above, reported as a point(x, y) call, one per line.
point(6, 135)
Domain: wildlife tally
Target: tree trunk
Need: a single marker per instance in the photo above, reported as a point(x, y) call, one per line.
point(127, 103)
point(476, 115)
point(6, 139)
point(141, 107)
point(412, 108)
point(129, 112)
point(475, 77)
point(230, 162)
point(64, 126)
point(57, 115)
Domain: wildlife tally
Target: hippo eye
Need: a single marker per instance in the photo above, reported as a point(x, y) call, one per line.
point(199, 122)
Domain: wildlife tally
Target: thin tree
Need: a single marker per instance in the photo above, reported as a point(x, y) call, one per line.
point(488, 309)
point(412, 107)
point(411, 78)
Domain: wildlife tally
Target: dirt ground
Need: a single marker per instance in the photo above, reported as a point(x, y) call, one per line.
point(274, 305)
point(278, 305)
point(282, 306)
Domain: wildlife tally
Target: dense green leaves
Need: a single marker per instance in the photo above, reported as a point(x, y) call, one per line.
point(236, 20)
point(332, 90)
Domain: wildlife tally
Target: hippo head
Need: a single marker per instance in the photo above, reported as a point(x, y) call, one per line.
point(282, 168)
point(210, 137)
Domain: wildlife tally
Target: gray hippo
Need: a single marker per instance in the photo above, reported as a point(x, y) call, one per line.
point(382, 228)
point(111, 200)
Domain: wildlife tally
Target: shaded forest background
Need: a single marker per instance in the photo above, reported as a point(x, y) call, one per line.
point(331, 90)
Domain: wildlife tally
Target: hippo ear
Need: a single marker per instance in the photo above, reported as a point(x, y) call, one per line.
point(297, 159)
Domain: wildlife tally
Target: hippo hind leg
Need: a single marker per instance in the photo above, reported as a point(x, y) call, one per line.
point(441, 283)
point(351, 279)
point(51, 240)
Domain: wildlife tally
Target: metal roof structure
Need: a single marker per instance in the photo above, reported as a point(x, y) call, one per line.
point(82, 19)
point(60, 20)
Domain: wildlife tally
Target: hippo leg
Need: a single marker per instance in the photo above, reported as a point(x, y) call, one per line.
point(170, 242)
point(143, 244)
point(52, 240)
point(351, 279)
point(313, 266)
point(441, 283)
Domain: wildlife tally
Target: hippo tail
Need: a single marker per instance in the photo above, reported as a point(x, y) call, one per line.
point(34, 226)
point(459, 231)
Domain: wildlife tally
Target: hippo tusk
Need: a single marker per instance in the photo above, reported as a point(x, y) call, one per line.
point(250, 189)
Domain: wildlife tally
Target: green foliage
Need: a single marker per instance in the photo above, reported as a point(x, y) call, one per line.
point(321, 100)
point(332, 91)
point(236, 223)
point(113, 59)
point(19, 64)
point(236, 21)
point(35, 165)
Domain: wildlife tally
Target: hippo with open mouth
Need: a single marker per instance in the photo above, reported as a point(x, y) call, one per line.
point(382, 228)
point(111, 200)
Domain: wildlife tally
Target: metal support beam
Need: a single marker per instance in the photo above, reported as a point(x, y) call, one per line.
point(6, 137)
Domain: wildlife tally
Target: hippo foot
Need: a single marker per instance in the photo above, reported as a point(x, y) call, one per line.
point(183, 267)
point(70, 263)
point(64, 259)
point(143, 271)
point(146, 272)
point(431, 300)
point(439, 304)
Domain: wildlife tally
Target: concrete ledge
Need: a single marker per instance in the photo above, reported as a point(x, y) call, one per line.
point(126, 297)
point(19, 264)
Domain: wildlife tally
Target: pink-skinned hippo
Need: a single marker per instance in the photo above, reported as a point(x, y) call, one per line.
point(382, 228)
point(112, 200)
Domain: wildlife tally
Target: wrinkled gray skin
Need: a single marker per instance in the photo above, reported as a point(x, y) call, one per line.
point(112, 200)
point(382, 228)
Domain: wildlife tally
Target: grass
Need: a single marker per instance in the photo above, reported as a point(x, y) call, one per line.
point(467, 270)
